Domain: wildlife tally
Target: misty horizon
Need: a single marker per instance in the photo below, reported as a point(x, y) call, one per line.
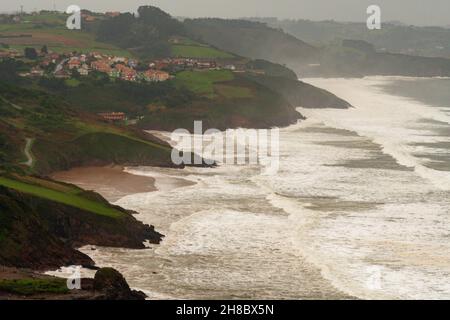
point(407, 12)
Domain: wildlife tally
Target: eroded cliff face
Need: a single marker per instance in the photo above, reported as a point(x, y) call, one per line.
point(41, 234)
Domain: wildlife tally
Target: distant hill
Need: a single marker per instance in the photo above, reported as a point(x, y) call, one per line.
point(359, 58)
point(254, 40)
point(345, 57)
point(393, 37)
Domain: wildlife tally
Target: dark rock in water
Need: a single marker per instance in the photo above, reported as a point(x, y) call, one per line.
point(109, 284)
point(25, 284)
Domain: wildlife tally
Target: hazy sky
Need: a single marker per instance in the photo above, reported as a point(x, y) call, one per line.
point(420, 12)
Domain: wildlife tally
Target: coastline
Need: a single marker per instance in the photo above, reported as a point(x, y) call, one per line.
point(115, 182)
point(112, 182)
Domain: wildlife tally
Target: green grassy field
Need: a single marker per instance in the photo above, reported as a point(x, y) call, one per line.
point(236, 92)
point(50, 17)
point(202, 82)
point(193, 51)
point(61, 197)
point(87, 128)
point(58, 39)
point(34, 286)
point(72, 82)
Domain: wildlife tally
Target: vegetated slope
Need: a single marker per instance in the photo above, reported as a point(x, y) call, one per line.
point(64, 137)
point(301, 94)
point(343, 58)
point(252, 39)
point(50, 29)
point(146, 34)
point(222, 99)
point(42, 222)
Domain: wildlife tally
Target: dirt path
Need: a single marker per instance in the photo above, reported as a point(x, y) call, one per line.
point(11, 104)
point(27, 152)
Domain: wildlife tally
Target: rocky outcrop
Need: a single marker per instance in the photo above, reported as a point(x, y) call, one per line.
point(22, 284)
point(109, 284)
point(40, 234)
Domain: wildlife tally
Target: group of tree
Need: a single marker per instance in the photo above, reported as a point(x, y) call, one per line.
point(147, 33)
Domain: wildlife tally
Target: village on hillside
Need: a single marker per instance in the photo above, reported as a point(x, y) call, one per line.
point(42, 58)
point(45, 63)
point(48, 63)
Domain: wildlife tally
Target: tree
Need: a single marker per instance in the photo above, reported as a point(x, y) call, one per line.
point(31, 53)
point(9, 69)
point(44, 49)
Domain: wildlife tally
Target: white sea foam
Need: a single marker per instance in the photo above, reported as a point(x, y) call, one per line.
point(390, 121)
point(342, 211)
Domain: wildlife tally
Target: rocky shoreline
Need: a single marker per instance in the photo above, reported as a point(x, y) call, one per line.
point(23, 284)
point(43, 235)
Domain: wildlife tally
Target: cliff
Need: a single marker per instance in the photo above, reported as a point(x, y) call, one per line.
point(42, 234)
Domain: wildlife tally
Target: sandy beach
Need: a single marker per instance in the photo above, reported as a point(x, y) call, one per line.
point(114, 182)
point(110, 181)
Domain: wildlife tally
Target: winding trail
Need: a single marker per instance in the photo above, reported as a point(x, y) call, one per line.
point(27, 152)
point(11, 104)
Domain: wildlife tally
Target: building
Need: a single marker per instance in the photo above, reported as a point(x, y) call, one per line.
point(132, 63)
point(61, 74)
point(36, 72)
point(122, 68)
point(160, 64)
point(113, 116)
point(114, 73)
point(129, 75)
point(45, 63)
point(156, 75)
point(124, 72)
point(10, 54)
point(112, 14)
point(83, 71)
point(206, 65)
point(119, 60)
point(231, 67)
point(101, 66)
point(74, 63)
point(87, 16)
point(161, 76)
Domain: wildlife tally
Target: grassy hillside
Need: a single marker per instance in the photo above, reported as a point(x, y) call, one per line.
point(41, 224)
point(198, 51)
point(56, 36)
point(28, 287)
point(71, 197)
point(64, 137)
point(222, 99)
point(203, 83)
point(253, 40)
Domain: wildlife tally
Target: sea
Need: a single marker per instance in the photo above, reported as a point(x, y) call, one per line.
point(359, 208)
